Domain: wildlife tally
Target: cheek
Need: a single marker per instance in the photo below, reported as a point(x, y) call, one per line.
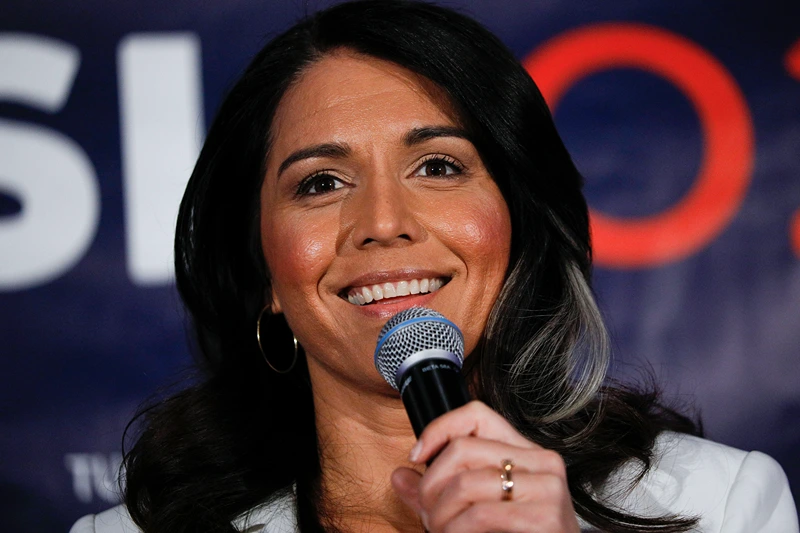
point(484, 236)
point(489, 231)
point(296, 253)
point(483, 242)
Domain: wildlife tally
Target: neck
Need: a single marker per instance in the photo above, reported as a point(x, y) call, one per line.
point(363, 437)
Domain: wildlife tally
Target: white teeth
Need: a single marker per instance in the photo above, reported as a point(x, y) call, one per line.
point(365, 295)
point(424, 285)
point(413, 287)
point(402, 288)
point(377, 292)
point(388, 290)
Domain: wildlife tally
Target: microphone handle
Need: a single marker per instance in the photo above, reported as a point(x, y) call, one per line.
point(431, 388)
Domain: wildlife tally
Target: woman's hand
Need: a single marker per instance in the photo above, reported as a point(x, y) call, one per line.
point(461, 490)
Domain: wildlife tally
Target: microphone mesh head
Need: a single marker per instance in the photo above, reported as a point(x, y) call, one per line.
point(412, 331)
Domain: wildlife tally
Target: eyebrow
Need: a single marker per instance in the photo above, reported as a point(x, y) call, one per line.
point(334, 150)
point(420, 135)
point(340, 150)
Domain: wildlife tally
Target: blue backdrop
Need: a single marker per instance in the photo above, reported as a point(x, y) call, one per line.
point(683, 116)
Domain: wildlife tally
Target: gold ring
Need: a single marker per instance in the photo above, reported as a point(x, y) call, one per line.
point(506, 483)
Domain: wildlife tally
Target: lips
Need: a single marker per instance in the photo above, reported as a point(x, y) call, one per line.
point(368, 294)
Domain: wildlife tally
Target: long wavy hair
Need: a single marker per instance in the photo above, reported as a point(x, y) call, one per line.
point(235, 438)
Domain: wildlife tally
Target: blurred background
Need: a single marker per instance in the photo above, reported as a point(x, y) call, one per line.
point(683, 116)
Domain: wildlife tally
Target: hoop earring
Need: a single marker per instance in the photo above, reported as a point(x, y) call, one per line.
point(261, 348)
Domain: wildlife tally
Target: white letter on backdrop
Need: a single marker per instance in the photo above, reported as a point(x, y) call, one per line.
point(50, 174)
point(162, 128)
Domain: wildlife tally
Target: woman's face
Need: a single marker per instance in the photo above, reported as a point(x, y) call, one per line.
point(373, 202)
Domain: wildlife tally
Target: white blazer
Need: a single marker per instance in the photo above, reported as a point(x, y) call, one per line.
point(731, 491)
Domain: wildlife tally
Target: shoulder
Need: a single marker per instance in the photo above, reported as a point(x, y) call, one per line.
point(730, 490)
point(275, 516)
point(114, 520)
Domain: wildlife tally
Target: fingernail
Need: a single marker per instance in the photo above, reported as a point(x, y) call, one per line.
point(424, 516)
point(415, 451)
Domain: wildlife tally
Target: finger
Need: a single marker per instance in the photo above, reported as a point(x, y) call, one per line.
point(479, 486)
point(473, 419)
point(405, 482)
point(513, 517)
point(472, 453)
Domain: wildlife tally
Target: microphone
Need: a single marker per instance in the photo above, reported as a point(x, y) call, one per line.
point(420, 354)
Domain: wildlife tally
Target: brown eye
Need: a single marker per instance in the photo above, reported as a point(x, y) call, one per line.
point(325, 184)
point(439, 166)
point(435, 168)
point(319, 184)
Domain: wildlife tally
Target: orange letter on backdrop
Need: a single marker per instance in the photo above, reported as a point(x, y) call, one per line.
point(725, 171)
point(792, 62)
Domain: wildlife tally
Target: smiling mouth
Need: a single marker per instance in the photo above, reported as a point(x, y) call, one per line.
point(370, 294)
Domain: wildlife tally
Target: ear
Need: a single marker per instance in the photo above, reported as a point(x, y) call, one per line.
point(275, 305)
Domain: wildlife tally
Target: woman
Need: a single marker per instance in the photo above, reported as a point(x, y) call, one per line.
point(378, 156)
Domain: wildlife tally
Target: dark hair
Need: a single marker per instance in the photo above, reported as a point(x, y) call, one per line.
point(230, 441)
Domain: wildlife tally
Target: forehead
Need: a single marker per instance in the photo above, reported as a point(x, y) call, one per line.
point(350, 97)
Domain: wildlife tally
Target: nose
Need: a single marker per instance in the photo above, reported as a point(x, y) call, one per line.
point(385, 216)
